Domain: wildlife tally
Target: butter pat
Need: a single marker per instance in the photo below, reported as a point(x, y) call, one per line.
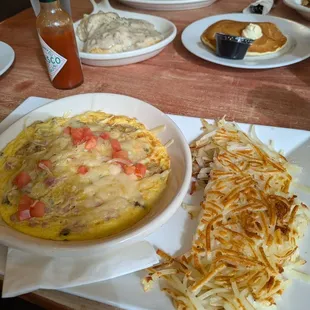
point(252, 31)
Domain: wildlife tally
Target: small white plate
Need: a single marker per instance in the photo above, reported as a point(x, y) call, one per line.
point(164, 26)
point(7, 56)
point(167, 5)
point(296, 49)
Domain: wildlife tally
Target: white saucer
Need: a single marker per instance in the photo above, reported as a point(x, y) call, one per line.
point(296, 49)
point(167, 28)
point(7, 56)
point(167, 5)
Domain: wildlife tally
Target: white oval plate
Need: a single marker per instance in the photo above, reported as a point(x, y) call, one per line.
point(7, 56)
point(170, 201)
point(296, 49)
point(168, 5)
point(167, 28)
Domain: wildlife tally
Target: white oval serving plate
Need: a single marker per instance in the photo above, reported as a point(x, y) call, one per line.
point(296, 49)
point(178, 182)
point(7, 56)
point(301, 9)
point(168, 5)
point(164, 26)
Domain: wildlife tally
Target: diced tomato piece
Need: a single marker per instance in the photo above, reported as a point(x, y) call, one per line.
point(22, 179)
point(140, 170)
point(77, 135)
point(88, 134)
point(91, 143)
point(120, 154)
point(38, 209)
point(129, 169)
point(45, 162)
point(82, 170)
point(116, 146)
point(67, 130)
point(105, 136)
point(24, 215)
point(25, 203)
point(81, 135)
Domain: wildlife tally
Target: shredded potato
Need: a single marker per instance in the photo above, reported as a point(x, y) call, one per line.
point(249, 227)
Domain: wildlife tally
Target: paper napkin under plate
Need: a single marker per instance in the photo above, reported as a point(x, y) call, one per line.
point(26, 272)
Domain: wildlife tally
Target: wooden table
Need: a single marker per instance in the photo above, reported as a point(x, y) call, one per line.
point(175, 81)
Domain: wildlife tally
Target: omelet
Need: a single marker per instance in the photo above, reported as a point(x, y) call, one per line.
point(81, 178)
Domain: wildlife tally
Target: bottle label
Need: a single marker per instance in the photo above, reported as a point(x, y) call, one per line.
point(54, 61)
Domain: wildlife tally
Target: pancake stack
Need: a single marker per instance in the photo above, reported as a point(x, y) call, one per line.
point(271, 42)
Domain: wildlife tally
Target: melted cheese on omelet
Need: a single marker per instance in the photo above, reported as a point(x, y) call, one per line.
point(99, 203)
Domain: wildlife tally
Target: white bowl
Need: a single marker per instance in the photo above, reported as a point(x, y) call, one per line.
point(302, 10)
point(164, 26)
point(178, 182)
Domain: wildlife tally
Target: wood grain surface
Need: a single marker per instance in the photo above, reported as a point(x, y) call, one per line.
point(175, 81)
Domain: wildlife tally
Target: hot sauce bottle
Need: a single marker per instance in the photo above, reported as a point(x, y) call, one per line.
point(57, 38)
